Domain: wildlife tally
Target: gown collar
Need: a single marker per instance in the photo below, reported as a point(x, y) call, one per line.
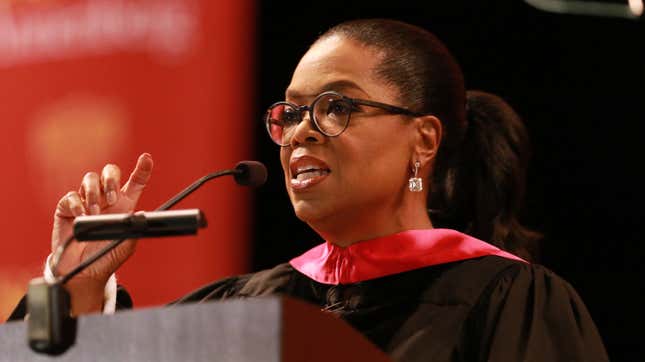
point(328, 263)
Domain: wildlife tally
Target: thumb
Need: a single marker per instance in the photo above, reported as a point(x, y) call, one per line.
point(139, 177)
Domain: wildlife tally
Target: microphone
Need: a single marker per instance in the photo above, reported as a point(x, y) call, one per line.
point(50, 328)
point(251, 173)
point(138, 225)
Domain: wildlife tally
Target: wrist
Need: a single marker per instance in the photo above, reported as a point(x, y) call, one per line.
point(87, 295)
point(109, 291)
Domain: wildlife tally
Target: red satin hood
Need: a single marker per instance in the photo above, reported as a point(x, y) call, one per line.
point(408, 250)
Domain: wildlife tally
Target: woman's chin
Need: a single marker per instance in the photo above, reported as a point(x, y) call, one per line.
point(305, 211)
point(310, 211)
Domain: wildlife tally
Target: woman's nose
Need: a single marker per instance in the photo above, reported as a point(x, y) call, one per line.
point(306, 132)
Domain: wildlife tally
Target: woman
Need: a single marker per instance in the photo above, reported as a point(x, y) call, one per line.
point(376, 128)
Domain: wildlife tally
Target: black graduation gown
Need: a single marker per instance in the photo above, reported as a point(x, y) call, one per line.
point(430, 295)
point(483, 309)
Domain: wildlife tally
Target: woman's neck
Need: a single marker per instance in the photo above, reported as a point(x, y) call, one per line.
point(345, 229)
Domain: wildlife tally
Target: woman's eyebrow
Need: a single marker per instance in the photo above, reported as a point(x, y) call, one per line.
point(337, 86)
point(341, 85)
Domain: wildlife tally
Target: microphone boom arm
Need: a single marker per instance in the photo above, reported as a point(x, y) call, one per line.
point(195, 185)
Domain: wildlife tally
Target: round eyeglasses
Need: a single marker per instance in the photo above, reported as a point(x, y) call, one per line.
point(329, 111)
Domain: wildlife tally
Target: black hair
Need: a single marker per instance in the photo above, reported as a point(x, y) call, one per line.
point(478, 181)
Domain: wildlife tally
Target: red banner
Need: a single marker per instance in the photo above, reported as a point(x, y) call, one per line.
point(85, 83)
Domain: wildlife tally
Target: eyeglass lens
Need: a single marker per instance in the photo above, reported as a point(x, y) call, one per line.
point(331, 114)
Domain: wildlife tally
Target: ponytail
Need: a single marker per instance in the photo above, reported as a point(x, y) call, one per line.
point(481, 188)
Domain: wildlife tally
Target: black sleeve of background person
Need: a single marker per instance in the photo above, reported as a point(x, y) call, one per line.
point(19, 311)
point(123, 301)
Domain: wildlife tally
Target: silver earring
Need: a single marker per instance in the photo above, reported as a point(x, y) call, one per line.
point(415, 184)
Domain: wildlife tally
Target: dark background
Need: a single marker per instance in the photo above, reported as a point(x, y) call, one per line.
point(579, 83)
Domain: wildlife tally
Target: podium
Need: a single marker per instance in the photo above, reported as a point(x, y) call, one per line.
point(244, 330)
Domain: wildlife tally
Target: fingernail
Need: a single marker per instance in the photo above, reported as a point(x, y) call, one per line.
point(111, 197)
point(95, 209)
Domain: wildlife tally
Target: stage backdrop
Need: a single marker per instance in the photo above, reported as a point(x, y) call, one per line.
point(84, 83)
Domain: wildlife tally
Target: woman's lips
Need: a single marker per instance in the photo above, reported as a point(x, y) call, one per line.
point(307, 171)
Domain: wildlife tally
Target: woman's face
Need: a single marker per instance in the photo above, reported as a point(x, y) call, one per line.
point(349, 180)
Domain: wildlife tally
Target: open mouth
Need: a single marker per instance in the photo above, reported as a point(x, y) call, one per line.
point(309, 173)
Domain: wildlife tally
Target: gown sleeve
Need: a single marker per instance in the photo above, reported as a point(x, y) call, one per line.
point(262, 283)
point(531, 314)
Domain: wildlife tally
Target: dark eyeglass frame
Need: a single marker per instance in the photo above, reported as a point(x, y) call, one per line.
point(352, 101)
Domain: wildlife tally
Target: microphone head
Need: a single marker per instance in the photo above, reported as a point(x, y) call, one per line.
point(250, 173)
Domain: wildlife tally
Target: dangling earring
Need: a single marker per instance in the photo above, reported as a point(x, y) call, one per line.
point(415, 184)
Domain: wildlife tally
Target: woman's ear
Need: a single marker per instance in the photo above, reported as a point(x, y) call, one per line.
point(429, 132)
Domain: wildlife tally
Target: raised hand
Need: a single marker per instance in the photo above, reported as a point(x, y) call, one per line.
point(98, 194)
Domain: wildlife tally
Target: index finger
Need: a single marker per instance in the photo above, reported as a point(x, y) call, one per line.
point(139, 177)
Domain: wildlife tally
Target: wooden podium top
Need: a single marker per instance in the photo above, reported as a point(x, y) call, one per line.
point(255, 329)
